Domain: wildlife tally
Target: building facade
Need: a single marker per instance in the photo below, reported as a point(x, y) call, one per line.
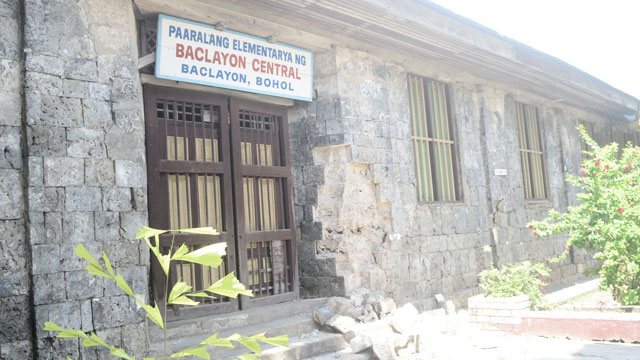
point(428, 138)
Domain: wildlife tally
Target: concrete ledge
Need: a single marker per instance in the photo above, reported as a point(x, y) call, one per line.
point(566, 294)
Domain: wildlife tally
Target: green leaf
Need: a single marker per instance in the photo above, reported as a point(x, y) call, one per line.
point(151, 358)
point(183, 300)
point(97, 339)
point(250, 344)
point(68, 358)
point(282, 340)
point(213, 340)
point(123, 285)
point(94, 267)
point(107, 263)
point(201, 231)
point(71, 334)
point(153, 313)
point(49, 326)
point(147, 232)
point(178, 289)
point(200, 352)
point(200, 294)
point(97, 270)
point(229, 286)
point(210, 255)
point(120, 353)
point(181, 251)
point(248, 357)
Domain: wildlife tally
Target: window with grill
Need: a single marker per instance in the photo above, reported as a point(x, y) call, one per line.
point(531, 154)
point(589, 128)
point(432, 134)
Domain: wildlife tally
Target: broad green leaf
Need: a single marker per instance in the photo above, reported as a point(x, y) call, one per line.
point(151, 358)
point(97, 270)
point(164, 260)
point(183, 300)
point(97, 339)
point(200, 230)
point(213, 340)
point(147, 232)
point(153, 313)
point(107, 263)
point(68, 358)
point(82, 252)
point(248, 357)
point(210, 255)
point(178, 289)
point(250, 344)
point(183, 249)
point(200, 294)
point(49, 326)
point(282, 340)
point(71, 334)
point(89, 343)
point(200, 352)
point(120, 353)
point(123, 285)
point(229, 286)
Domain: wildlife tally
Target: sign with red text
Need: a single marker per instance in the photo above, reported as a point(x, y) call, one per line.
point(198, 53)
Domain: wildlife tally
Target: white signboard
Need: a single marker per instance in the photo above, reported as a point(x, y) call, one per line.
point(198, 53)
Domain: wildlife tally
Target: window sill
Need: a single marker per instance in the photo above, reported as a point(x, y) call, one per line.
point(538, 203)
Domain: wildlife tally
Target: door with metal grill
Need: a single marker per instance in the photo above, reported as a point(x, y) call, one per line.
point(208, 166)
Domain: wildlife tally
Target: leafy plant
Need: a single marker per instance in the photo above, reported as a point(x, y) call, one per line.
point(514, 280)
point(180, 294)
point(608, 217)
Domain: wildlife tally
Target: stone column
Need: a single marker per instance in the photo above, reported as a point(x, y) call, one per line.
point(87, 176)
point(15, 312)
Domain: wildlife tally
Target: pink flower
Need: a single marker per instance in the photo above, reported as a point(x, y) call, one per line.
point(567, 248)
point(597, 163)
point(582, 170)
point(530, 226)
point(535, 233)
point(620, 210)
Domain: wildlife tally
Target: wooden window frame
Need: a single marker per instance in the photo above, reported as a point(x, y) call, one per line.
point(437, 176)
point(531, 152)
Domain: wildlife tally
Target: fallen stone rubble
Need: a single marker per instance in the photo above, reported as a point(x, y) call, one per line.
point(376, 326)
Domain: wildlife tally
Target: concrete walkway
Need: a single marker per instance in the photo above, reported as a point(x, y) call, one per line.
point(507, 347)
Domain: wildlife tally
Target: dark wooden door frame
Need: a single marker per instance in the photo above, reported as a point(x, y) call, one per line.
point(287, 235)
point(231, 170)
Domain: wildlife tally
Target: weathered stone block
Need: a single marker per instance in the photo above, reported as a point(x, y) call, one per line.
point(51, 348)
point(124, 89)
point(16, 350)
point(14, 318)
point(61, 111)
point(116, 199)
point(75, 88)
point(99, 92)
point(11, 202)
point(46, 258)
point(53, 227)
point(360, 343)
point(65, 314)
point(78, 227)
point(63, 171)
point(85, 143)
point(14, 282)
point(124, 146)
point(137, 341)
point(86, 316)
point(12, 246)
point(131, 222)
point(49, 288)
point(107, 225)
point(36, 171)
point(36, 228)
point(9, 42)
point(113, 311)
point(44, 140)
point(80, 69)
point(97, 113)
point(341, 324)
point(139, 198)
point(45, 64)
point(11, 108)
point(130, 173)
point(115, 66)
point(310, 231)
point(322, 314)
point(99, 172)
point(122, 253)
point(11, 80)
point(82, 285)
point(83, 198)
point(339, 305)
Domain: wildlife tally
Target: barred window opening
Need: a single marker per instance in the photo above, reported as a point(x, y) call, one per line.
point(432, 135)
point(531, 152)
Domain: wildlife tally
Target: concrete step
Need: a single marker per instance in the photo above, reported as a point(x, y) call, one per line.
point(345, 354)
point(292, 319)
point(307, 347)
point(217, 323)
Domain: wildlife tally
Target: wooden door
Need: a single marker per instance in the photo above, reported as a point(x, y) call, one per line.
point(228, 170)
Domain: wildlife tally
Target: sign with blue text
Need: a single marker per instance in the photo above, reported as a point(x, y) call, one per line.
point(198, 53)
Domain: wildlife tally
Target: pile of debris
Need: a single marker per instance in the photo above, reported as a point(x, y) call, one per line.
point(371, 323)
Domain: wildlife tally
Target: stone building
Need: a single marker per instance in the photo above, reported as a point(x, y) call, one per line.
point(425, 138)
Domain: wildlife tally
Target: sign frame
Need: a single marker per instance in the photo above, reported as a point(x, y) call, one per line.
point(160, 72)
